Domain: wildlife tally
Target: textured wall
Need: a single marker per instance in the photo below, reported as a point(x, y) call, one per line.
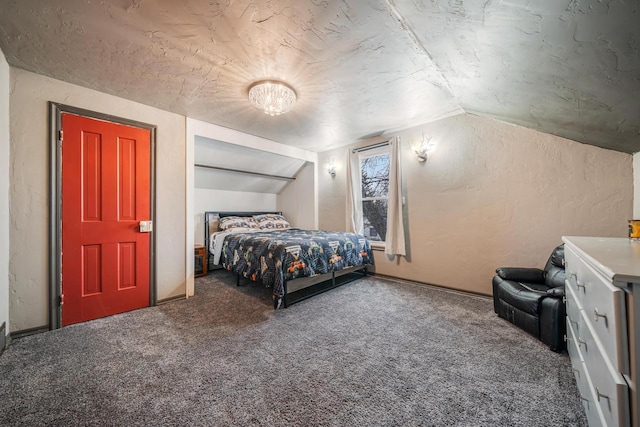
point(492, 195)
point(30, 183)
point(4, 191)
point(297, 201)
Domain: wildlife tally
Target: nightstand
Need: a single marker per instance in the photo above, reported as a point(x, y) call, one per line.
point(200, 261)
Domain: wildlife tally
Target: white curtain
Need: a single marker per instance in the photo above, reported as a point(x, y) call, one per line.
point(354, 194)
point(394, 242)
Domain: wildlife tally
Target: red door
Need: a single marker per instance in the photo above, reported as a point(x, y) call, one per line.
point(105, 194)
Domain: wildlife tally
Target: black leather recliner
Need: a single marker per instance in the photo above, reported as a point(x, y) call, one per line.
point(533, 299)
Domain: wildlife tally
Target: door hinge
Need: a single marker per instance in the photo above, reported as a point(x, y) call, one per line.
point(60, 135)
point(61, 299)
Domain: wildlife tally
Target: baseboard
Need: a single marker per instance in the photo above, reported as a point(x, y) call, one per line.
point(3, 337)
point(26, 332)
point(171, 299)
point(431, 285)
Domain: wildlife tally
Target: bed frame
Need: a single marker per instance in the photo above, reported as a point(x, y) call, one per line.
point(294, 290)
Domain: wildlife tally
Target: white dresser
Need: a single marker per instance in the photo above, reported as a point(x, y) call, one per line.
point(603, 276)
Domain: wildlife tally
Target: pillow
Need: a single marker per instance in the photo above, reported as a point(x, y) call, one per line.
point(230, 222)
point(240, 230)
point(271, 221)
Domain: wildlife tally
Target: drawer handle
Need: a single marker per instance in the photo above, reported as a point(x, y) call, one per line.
point(585, 400)
point(578, 285)
point(577, 371)
point(597, 314)
point(600, 395)
point(571, 320)
point(580, 342)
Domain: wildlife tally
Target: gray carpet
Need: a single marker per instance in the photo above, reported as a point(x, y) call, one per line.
point(373, 352)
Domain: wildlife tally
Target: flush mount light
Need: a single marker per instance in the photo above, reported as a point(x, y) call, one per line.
point(271, 96)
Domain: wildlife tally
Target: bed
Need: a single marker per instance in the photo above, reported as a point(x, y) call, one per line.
point(295, 263)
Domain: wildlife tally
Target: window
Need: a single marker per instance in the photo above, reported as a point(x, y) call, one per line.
point(374, 175)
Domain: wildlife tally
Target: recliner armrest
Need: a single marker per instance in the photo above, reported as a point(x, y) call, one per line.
point(529, 275)
point(557, 292)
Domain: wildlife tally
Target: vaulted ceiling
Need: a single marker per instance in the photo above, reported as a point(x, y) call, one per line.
point(360, 68)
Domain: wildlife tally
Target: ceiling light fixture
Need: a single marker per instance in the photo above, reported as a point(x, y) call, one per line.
point(271, 96)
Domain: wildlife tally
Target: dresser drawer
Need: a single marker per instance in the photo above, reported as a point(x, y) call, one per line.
point(573, 310)
point(576, 271)
point(583, 382)
point(604, 306)
point(577, 360)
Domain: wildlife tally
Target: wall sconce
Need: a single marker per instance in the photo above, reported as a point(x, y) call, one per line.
point(331, 167)
point(423, 148)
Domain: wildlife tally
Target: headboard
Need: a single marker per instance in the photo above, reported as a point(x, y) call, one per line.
point(212, 222)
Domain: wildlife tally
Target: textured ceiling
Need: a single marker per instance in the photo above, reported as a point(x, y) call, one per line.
point(360, 68)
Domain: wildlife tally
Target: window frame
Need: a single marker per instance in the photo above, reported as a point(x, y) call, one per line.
point(365, 153)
